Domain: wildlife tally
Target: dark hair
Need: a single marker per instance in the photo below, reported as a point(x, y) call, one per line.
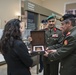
point(10, 33)
point(73, 22)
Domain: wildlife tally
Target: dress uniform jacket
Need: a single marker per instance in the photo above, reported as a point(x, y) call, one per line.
point(18, 59)
point(53, 40)
point(67, 54)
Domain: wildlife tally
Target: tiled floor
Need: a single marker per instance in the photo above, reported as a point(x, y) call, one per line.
point(33, 70)
point(4, 72)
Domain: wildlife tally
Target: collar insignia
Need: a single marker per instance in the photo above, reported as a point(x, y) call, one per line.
point(54, 29)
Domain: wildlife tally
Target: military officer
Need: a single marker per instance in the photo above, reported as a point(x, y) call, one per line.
point(66, 53)
point(53, 38)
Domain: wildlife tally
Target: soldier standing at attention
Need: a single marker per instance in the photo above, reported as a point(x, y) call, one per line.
point(53, 39)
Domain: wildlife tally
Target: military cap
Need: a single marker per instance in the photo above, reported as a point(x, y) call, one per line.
point(51, 17)
point(67, 16)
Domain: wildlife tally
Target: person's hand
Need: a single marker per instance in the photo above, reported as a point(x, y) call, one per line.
point(30, 39)
point(46, 54)
point(51, 51)
point(46, 48)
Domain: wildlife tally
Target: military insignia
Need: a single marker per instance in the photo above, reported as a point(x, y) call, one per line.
point(54, 29)
point(65, 42)
point(55, 35)
point(68, 33)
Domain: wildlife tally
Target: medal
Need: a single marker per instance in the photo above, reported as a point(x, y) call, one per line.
point(55, 35)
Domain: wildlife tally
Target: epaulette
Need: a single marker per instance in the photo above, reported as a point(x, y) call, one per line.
point(58, 29)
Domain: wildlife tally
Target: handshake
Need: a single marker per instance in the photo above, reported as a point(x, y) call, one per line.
point(49, 51)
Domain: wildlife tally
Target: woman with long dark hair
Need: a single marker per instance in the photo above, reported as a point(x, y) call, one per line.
point(14, 50)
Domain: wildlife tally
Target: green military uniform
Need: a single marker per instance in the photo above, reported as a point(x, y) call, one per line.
point(67, 52)
point(53, 39)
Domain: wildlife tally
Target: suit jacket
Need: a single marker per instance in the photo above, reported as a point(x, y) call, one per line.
point(67, 54)
point(18, 59)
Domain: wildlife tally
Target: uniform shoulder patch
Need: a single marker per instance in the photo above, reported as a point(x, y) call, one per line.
point(58, 29)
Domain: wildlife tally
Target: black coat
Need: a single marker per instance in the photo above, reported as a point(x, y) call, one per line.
point(67, 54)
point(18, 59)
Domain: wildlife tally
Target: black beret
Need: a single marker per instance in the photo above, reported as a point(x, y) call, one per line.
point(67, 16)
point(44, 21)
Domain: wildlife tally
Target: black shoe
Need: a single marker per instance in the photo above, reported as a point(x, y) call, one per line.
point(40, 70)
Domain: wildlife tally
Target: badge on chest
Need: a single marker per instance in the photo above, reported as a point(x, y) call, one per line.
point(55, 35)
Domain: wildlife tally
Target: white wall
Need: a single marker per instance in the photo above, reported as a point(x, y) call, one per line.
point(39, 2)
point(56, 5)
point(8, 10)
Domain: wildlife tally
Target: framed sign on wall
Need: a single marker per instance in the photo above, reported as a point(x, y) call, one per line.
point(70, 8)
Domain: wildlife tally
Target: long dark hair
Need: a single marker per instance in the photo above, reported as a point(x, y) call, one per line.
point(11, 32)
